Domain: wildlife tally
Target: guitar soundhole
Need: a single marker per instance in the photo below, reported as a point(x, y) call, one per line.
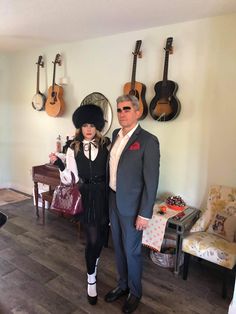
point(53, 98)
point(162, 108)
point(134, 92)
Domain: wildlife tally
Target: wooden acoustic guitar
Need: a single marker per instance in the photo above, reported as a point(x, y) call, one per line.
point(136, 88)
point(165, 106)
point(39, 99)
point(55, 104)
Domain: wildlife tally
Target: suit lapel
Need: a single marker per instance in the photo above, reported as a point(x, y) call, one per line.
point(131, 140)
point(114, 137)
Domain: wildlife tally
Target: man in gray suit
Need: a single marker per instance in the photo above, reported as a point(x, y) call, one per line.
point(134, 174)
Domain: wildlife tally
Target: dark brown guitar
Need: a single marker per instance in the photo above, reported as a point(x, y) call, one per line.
point(165, 106)
point(55, 104)
point(136, 88)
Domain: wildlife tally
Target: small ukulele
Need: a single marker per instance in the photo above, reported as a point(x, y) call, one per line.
point(55, 104)
point(165, 106)
point(39, 99)
point(136, 88)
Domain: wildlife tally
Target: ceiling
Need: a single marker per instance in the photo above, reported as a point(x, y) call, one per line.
point(30, 23)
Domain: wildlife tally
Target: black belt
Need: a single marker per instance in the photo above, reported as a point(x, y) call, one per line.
point(93, 180)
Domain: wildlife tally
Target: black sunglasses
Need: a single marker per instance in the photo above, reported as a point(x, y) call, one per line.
point(125, 109)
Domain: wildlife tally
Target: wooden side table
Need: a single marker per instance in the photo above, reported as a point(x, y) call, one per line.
point(46, 174)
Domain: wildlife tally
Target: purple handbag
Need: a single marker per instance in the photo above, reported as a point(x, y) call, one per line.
point(67, 198)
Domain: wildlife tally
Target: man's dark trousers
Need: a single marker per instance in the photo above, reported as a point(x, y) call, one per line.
point(128, 244)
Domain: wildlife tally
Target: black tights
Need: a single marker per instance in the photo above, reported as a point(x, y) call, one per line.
point(95, 237)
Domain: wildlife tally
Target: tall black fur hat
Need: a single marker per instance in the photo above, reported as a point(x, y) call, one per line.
point(89, 113)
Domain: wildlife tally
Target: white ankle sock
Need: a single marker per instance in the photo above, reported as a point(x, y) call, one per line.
point(92, 287)
point(96, 266)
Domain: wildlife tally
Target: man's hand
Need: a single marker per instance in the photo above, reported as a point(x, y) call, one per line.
point(141, 223)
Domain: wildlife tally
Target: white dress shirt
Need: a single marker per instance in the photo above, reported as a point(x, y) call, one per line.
point(115, 154)
point(94, 149)
point(71, 165)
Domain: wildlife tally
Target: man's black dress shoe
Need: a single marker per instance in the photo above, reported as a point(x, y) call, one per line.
point(115, 294)
point(131, 304)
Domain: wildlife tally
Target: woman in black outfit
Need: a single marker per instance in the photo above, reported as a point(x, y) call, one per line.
point(87, 158)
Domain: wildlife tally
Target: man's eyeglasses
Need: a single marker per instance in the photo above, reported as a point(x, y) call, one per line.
point(125, 109)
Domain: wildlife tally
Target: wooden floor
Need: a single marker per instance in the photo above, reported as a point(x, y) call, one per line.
point(43, 271)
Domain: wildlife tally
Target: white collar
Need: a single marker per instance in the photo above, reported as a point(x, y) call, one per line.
point(130, 133)
point(87, 141)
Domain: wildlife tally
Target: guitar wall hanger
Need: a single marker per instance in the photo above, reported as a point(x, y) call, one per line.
point(139, 54)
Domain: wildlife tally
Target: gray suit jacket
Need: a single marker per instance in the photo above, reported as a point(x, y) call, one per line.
point(138, 174)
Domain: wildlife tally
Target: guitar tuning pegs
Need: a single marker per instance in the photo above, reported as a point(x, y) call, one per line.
point(59, 61)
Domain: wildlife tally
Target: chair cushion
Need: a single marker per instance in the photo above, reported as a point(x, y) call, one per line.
point(223, 222)
point(219, 198)
point(211, 248)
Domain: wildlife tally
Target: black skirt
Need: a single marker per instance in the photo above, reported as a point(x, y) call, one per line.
point(95, 203)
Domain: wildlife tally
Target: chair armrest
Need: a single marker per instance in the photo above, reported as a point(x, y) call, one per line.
point(202, 223)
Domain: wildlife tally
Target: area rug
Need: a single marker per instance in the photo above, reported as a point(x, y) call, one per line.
point(9, 196)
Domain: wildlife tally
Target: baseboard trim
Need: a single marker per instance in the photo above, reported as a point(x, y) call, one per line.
point(17, 187)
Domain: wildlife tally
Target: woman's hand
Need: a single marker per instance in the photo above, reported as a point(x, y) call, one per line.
point(53, 158)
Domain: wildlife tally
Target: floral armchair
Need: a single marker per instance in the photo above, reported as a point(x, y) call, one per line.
point(213, 236)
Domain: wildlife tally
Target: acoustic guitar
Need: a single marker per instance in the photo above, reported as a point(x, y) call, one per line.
point(165, 106)
point(136, 88)
point(39, 99)
point(55, 105)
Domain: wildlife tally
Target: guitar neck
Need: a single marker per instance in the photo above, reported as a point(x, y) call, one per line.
point(54, 75)
point(166, 67)
point(37, 84)
point(134, 72)
point(136, 53)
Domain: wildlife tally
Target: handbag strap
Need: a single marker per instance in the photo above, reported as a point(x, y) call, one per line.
point(72, 181)
point(72, 178)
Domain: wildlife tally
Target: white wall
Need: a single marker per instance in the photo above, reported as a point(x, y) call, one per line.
point(197, 149)
point(4, 116)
